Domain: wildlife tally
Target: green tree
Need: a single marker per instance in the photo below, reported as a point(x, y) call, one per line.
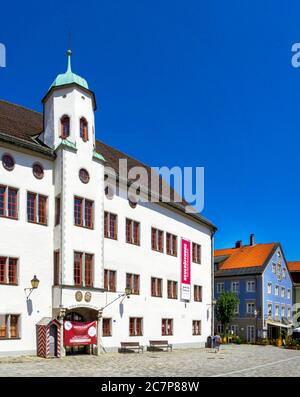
point(225, 308)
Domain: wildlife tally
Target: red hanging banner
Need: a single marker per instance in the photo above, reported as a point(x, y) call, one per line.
point(185, 269)
point(76, 333)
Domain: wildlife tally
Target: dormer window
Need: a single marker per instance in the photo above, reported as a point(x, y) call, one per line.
point(84, 129)
point(64, 127)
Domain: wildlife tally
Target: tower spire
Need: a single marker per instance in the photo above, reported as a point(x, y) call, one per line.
point(69, 69)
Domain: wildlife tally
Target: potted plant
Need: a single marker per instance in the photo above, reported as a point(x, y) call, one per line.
point(238, 340)
point(292, 344)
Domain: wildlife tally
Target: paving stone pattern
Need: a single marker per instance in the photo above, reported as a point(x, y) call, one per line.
point(232, 360)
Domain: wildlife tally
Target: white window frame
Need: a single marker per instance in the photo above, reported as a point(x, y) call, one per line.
point(279, 268)
point(250, 333)
point(282, 292)
point(251, 284)
point(234, 328)
point(237, 309)
point(270, 289)
point(220, 288)
point(274, 267)
point(270, 304)
point(252, 306)
point(289, 294)
point(276, 290)
point(236, 284)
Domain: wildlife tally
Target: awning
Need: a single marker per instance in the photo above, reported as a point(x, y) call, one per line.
point(278, 324)
point(296, 329)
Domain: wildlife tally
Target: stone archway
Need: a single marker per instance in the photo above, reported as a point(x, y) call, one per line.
point(80, 314)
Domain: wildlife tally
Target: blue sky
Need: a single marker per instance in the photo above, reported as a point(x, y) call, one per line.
point(215, 74)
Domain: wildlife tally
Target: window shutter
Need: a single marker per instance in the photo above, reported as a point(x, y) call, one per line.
point(2, 200)
point(163, 330)
point(131, 326)
point(136, 283)
point(12, 271)
point(175, 290)
point(13, 325)
point(153, 235)
point(112, 279)
point(3, 269)
point(136, 232)
point(139, 326)
point(12, 203)
point(158, 287)
point(175, 245)
point(128, 239)
point(168, 243)
point(160, 241)
point(88, 270)
point(105, 224)
point(105, 279)
point(42, 209)
point(153, 286)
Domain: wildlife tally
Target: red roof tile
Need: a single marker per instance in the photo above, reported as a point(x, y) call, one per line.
point(293, 266)
point(246, 256)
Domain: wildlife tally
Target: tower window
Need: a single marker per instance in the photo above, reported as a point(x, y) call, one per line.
point(64, 127)
point(84, 129)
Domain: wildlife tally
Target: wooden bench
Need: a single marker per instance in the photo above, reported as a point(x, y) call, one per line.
point(159, 345)
point(131, 346)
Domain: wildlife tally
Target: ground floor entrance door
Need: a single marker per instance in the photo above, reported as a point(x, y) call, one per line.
point(250, 333)
point(53, 340)
point(79, 318)
point(273, 332)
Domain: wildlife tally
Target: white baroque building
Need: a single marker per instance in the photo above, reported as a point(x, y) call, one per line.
point(85, 244)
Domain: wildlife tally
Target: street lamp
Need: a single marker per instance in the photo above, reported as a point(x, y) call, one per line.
point(128, 291)
point(34, 285)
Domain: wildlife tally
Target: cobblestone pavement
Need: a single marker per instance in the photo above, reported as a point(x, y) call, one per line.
point(232, 360)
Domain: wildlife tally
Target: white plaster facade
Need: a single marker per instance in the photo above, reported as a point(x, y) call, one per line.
point(34, 244)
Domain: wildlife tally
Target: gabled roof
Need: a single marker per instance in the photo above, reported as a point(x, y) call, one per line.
point(22, 126)
point(246, 259)
point(20, 122)
point(293, 266)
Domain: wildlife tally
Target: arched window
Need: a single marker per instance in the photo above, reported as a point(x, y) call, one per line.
point(84, 129)
point(64, 127)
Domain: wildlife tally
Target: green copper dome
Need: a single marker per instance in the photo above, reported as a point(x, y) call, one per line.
point(69, 77)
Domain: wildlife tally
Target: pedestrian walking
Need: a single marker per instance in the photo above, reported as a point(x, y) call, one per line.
point(217, 342)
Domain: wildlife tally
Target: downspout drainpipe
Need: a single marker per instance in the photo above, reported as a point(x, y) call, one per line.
point(212, 285)
point(61, 225)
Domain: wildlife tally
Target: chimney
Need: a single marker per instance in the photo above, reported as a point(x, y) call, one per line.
point(252, 239)
point(238, 244)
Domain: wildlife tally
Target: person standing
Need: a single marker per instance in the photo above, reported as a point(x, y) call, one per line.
point(217, 342)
